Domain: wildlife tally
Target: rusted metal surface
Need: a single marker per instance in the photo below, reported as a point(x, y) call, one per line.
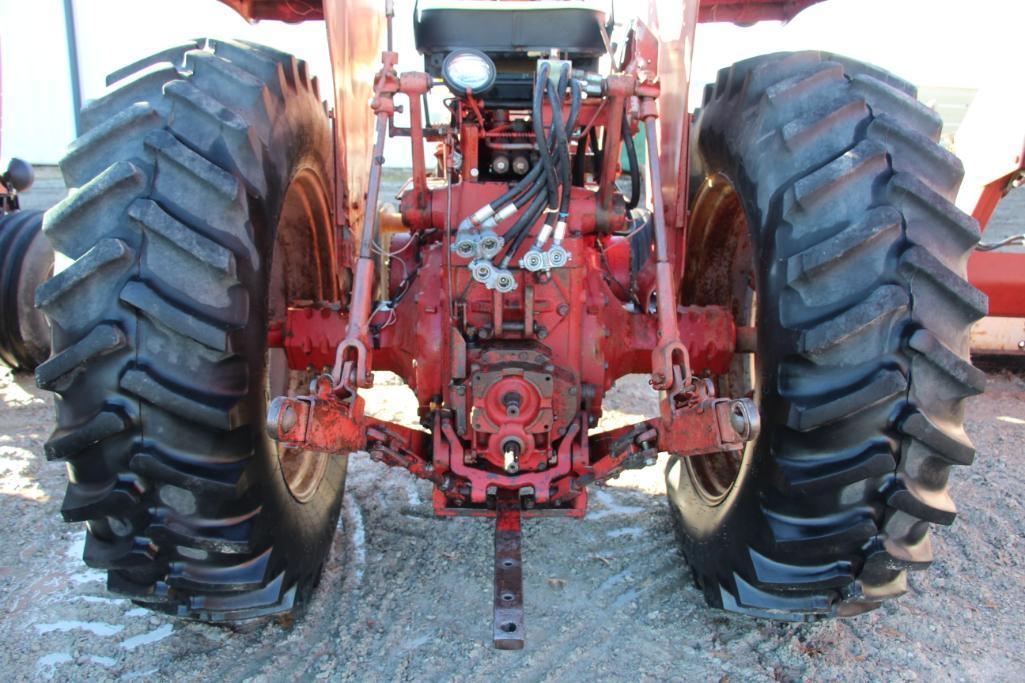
point(508, 611)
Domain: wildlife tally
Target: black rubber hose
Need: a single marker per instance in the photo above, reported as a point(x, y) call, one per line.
point(574, 107)
point(571, 122)
point(577, 162)
point(635, 172)
point(562, 148)
point(532, 175)
point(539, 132)
point(531, 193)
point(518, 189)
point(564, 73)
point(522, 228)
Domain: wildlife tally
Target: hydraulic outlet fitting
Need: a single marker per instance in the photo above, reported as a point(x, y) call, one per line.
point(483, 272)
point(536, 260)
point(557, 254)
point(502, 280)
point(466, 245)
point(489, 244)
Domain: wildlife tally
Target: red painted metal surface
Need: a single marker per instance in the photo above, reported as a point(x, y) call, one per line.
point(292, 11)
point(311, 334)
point(355, 30)
point(1001, 277)
point(991, 143)
point(510, 383)
point(739, 11)
point(751, 11)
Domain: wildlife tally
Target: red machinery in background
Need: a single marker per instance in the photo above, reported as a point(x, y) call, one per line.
point(991, 143)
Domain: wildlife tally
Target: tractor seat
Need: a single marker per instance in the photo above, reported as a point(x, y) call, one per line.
point(511, 27)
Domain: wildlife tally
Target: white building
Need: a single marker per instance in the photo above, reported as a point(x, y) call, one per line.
point(932, 42)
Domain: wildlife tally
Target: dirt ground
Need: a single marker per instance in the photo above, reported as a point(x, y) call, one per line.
point(408, 597)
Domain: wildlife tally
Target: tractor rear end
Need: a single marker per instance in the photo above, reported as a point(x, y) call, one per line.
point(505, 312)
point(242, 287)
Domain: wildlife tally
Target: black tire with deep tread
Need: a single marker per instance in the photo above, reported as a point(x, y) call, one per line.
point(160, 328)
point(863, 317)
point(25, 261)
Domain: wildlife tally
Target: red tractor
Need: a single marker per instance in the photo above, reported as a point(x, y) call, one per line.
point(791, 280)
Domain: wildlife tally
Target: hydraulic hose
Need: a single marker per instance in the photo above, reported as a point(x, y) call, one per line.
point(560, 143)
point(522, 227)
point(574, 107)
point(562, 147)
point(539, 133)
point(532, 175)
point(517, 189)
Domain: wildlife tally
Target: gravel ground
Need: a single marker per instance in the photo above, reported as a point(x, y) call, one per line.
point(408, 597)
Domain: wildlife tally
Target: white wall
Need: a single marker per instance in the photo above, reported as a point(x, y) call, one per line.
point(932, 42)
point(37, 112)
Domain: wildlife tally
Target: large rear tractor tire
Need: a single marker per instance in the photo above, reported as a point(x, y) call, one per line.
point(26, 260)
point(200, 208)
point(826, 219)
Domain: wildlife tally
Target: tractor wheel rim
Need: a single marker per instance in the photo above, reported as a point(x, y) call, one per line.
point(305, 210)
point(718, 210)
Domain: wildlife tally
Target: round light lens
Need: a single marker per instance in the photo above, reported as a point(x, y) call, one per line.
point(465, 70)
